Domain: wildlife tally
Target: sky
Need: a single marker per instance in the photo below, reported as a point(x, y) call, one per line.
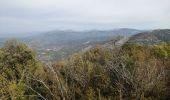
point(21, 16)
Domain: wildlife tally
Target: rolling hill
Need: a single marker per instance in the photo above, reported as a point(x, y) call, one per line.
point(58, 44)
point(55, 45)
point(151, 37)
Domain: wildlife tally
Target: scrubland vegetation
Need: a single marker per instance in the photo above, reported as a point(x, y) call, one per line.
point(131, 72)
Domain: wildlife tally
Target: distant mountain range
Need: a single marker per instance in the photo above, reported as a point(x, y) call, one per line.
point(60, 44)
point(57, 44)
point(67, 37)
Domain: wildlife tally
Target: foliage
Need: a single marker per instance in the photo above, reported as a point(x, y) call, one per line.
point(131, 72)
point(17, 65)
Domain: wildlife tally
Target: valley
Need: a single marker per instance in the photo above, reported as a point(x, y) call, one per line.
point(57, 45)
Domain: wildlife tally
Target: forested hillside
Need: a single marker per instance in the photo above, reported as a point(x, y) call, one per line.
point(84, 49)
point(56, 45)
point(130, 72)
point(151, 37)
point(59, 44)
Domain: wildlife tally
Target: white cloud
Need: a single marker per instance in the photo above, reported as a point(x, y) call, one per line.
point(82, 14)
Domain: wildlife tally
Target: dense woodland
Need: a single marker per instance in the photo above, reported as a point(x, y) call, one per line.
point(129, 72)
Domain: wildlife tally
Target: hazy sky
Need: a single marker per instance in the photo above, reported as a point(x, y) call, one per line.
point(17, 16)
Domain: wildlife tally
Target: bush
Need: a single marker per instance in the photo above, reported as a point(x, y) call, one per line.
point(132, 72)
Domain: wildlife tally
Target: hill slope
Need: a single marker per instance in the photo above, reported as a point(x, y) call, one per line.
point(151, 37)
point(60, 44)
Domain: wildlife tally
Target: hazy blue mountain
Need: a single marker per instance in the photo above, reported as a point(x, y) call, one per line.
point(2, 40)
point(60, 44)
point(65, 37)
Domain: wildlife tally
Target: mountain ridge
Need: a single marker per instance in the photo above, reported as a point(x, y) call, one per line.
point(151, 37)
